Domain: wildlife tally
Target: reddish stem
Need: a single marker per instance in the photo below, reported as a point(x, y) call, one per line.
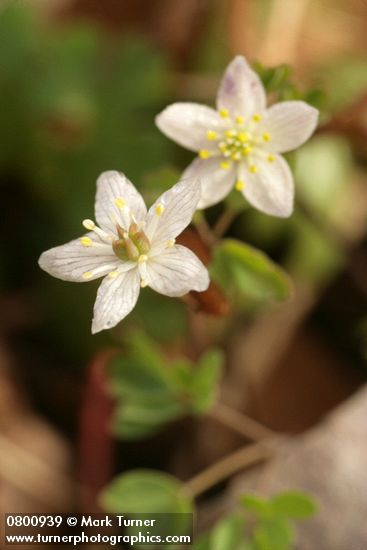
point(96, 445)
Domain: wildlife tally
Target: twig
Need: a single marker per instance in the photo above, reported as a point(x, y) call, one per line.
point(241, 423)
point(204, 229)
point(224, 222)
point(223, 469)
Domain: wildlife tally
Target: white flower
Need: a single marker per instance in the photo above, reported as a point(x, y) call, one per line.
point(132, 247)
point(239, 143)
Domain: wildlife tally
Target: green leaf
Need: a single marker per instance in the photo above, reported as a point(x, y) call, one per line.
point(256, 504)
point(227, 534)
point(134, 420)
point(205, 381)
point(145, 491)
point(140, 371)
point(162, 318)
point(294, 504)
point(273, 534)
point(151, 391)
point(150, 492)
point(248, 272)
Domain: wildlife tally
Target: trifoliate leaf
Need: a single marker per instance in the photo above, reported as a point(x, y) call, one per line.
point(245, 271)
point(293, 504)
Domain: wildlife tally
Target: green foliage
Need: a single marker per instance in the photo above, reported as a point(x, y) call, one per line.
point(75, 104)
point(157, 181)
point(149, 492)
point(293, 504)
point(255, 504)
point(323, 172)
point(228, 533)
point(247, 273)
point(345, 80)
point(274, 534)
point(152, 390)
point(273, 529)
point(162, 318)
point(278, 82)
point(145, 491)
point(323, 258)
point(266, 525)
point(203, 383)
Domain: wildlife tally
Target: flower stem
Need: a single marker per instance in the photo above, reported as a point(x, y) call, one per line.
point(204, 229)
point(224, 222)
point(221, 470)
point(241, 423)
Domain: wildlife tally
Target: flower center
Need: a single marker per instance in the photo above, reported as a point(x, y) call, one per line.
point(242, 141)
point(132, 245)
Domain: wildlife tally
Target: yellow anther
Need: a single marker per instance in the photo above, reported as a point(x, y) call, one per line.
point(224, 113)
point(204, 154)
point(159, 209)
point(211, 135)
point(143, 283)
point(88, 224)
point(142, 258)
point(256, 117)
point(87, 275)
point(239, 185)
point(247, 150)
point(266, 136)
point(243, 137)
point(86, 241)
point(230, 133)
point(222, 146)
point(120, 203)
point(253, 168)
point(271, 158)
point(239, 119)
point(224, 165)
point(170, 243)
point(236, 155)
point(113, 274)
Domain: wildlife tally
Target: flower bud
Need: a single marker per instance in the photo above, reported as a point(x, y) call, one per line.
point(133, 229)
point(132, 251)
point(121, 231)
point(119, 248)
point(142, 242)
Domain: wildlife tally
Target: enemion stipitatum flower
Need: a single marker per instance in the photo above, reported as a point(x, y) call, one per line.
point(131, 247)
point(239, 144)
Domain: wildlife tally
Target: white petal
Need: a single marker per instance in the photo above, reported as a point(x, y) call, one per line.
point(289, 124)
point(216, 182)
point(172, 212)
point(70, 261)
point(188, 123)
point(116, 297)
point(271, 189)
point(176, 271)
point(241, 90)
point(112, 185)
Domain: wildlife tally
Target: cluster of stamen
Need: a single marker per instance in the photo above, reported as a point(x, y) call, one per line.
point(130, 245)
point(239, 142)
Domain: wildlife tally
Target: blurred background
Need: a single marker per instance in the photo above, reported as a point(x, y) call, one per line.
point(80, 84)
